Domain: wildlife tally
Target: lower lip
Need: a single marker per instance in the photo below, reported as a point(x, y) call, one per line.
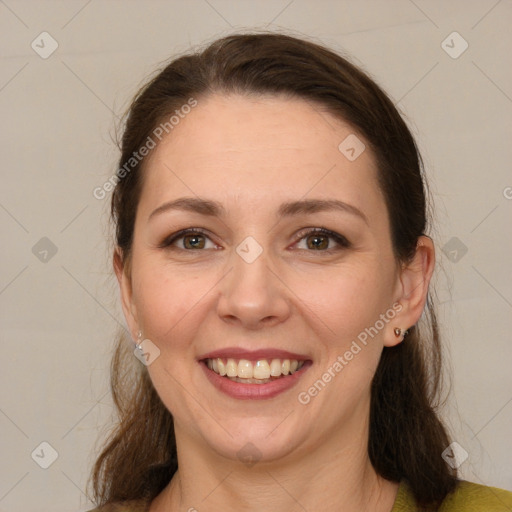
point(254, 391)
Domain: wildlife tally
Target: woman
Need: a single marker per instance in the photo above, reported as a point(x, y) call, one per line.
point(273, 264)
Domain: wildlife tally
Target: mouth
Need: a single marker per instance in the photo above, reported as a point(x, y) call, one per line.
point(260, 371)
point(254, 378)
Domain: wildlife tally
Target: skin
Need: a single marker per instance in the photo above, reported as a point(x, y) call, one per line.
point(294, 296)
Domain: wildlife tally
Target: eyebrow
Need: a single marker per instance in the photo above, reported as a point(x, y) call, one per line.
point(215, 209)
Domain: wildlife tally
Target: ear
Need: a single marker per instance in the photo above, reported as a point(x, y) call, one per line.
point(125, 288)
point(412, 286)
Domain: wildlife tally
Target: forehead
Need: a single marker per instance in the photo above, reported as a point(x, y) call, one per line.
point(257, 149)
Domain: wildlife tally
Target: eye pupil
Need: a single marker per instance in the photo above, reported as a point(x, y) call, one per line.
point(322, 244)
point(195, 239)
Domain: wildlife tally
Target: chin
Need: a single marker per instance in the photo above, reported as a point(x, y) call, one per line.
point(255, 440)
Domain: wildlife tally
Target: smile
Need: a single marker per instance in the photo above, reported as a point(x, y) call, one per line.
point(253, 372)
point(259, 379)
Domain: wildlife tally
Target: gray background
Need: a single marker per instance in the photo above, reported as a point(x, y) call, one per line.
point(60, 311)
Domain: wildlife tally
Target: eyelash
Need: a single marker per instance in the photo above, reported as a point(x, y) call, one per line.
point(340, 240)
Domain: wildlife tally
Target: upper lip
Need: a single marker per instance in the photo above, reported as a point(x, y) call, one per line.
point(253, 355)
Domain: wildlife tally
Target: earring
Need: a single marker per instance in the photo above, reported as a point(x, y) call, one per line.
point(399, 332)
point(139, 341)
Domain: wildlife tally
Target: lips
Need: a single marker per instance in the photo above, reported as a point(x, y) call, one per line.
point(253, 355)
point(248, 388)
point(241, 391)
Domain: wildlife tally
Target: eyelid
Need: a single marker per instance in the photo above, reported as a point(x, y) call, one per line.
point(180, 234)
point(340, 239)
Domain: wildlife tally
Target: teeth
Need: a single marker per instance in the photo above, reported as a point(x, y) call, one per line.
point(248, 371)
point(245, 369)
point(221, 367)
point(231, 368)
point(261, 370)
point(275, 367)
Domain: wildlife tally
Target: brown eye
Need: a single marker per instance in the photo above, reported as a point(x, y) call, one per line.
point(193, 239)
point(318, 239)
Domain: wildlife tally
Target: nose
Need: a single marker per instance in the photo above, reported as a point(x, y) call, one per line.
point(253, 295)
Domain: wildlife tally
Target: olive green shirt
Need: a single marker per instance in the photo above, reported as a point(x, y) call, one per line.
point(468, 497)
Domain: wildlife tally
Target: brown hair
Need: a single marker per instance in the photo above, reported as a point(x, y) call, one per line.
point(406, 436)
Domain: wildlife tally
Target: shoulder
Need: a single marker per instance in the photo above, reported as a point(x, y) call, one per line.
point(467, 497)
point(124, 506)
point(471, 497)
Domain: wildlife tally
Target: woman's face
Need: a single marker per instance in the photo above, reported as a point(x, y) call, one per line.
point(256, 277)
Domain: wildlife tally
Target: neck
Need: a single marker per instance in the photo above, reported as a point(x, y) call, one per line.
point(327, 479)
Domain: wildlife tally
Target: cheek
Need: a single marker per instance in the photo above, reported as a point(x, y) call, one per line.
point(346, 308)
point(168, 301)
point(171, 307)
point(344, 300)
